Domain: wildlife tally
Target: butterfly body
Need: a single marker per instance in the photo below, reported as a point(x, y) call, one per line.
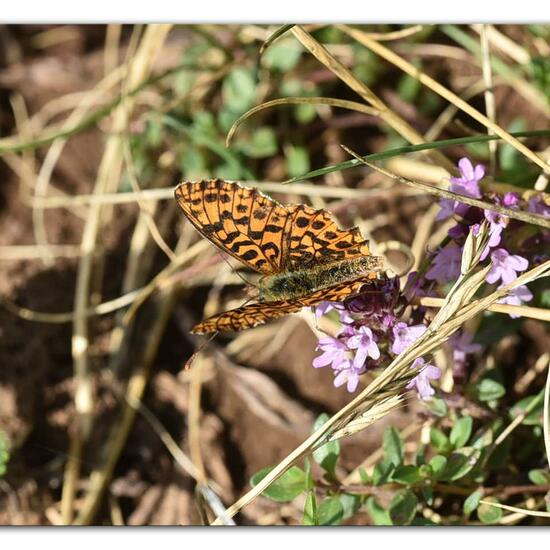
point(299, 283)
point(304, 257)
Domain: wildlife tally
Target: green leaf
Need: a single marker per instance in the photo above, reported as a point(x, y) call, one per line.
point(508, 154)
point(460, 462)
point(423, 522)
point(311, 517)
point(488, 390)
point(437, 406)
point(331, 511)
point(226, 117)
point(365, 478)
point(382, 472)
point(378, 515)
point(261, 144)
point(154, 132)
point(350, 504)
point(286, 488)
point(402, 507)
point(483, 438)
point(534, 418)
point(239, 90)
point(193, 164)
point(425, 471)
point(428, 494)
point(393, 446)
point(283, 55)
point(539, 477)
point(304, 113)
point(327, 455)
point(439, 440)
point(491, 330)
point(487, 513)
point(438, 464)
point(4, 453)
point(408, 88)
point(499, 458)
point(297, 160)
point(309, 478)
point(407, 474)
point(461, 431)
point(471, 503)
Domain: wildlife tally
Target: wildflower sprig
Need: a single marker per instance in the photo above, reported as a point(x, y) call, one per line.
point(372, 330)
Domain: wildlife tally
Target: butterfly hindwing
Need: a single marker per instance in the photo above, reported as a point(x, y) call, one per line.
point(253, 315)
point(247, 316)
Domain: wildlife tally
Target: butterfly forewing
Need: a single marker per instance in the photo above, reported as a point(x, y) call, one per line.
point(241, 221)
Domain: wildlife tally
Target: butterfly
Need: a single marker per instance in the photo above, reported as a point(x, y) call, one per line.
point(304, 257)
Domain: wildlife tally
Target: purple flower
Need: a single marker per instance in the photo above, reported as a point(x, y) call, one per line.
point(448, 209)
point(462, 345)
point(337, 353)
point(497, 224)
point(510, 199)
point(413, 286)
point(404, 336)
point(422, 380)
point(458, 231)
point(468, 182)
point(516, 297)
point(505, 266)
point(538, 206)
point(446, 264)
point(334, 352)
point(324, 307)
point(348, 374)
point(363, 341)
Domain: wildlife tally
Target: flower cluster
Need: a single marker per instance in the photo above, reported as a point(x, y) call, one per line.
point(505, 266)
point(371, 329)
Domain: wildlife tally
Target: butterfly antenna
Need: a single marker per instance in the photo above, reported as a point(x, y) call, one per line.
point(242, 277)
point(189, 361)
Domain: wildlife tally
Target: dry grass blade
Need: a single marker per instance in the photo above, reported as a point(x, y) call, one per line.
point(527, 217)
point(396, 35)
point(168, 194)
point(333, 102)
point(36, 251)
point(69, 316)
point(519, 54)
point(411, 70)
point(490, 105)
point(108, 177)
point(391, 118)
point(57, 146)
point(522, 511)
point(520, 311)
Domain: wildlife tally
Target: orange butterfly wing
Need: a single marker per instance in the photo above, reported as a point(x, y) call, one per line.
point(315, 238)
point(269, 238)
point(239, 220)
point(253, 315)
